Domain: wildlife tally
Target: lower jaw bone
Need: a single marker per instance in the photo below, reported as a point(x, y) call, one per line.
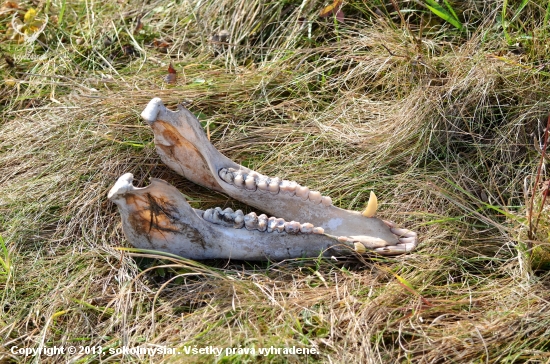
point(183, 146)
point(158, 217)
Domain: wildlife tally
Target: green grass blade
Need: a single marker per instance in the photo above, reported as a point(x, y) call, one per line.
point(438, 10)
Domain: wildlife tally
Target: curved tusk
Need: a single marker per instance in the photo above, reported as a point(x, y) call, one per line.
point(372, 206)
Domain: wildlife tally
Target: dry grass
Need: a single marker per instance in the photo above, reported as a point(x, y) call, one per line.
point(443, 128)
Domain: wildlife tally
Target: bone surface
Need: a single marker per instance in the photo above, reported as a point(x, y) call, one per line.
point(184, 147)
point(158, 217)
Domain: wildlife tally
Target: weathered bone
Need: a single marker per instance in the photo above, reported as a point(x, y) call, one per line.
point(183, 146)
point(158, 217)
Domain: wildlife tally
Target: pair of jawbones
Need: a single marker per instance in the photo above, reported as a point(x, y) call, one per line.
point(158, 216)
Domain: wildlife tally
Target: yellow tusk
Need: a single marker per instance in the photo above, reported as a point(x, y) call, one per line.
point(359, 248)
point(372, 205)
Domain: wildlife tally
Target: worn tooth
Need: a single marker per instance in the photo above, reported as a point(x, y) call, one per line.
point(239, 219)
point(327, 201)
point(250, 183)
point(208, 215)
point(225, 175)
point(315, 196)
point(344, 239)
point(359, 248)
point(403, 232)
point(369, 241)
point(306, 228)
point(262, 184)
point(251, 221)
point(239, 180)
point(262, 222)
point(318, 230)
point(271, 224)
point(302, 192)
point(292, 227)
point(228, 216)
point(217, 216)
point(289, 187)
point(409, 240)
point(274, 185)
point(372, 205)
point(280, 227)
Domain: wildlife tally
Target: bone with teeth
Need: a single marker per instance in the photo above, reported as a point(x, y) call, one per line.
point(158, 217)
point(183, 146)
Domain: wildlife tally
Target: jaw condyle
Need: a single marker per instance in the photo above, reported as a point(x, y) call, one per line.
point(301, 222)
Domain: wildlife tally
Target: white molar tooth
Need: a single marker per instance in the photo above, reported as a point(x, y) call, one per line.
point(262, 222)
point(306, 228)
point(315, 197)
point(251, 221)
point(263, 184)
point(229, 178)
point(292, 227)
point(327, 201)
point(274, 185)
point(208, 215)
point(239, 219)
point(271, 224)
point(318, 230)
point(302, 192)
point(250, 183)
point(280, 227)
point(238, 180)
point(288, 187)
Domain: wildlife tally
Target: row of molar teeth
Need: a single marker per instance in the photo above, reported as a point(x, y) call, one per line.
point(251, 221)
point(227, 217)
point(254, 181)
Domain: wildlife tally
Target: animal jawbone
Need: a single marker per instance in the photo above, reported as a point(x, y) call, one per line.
point(307, 223)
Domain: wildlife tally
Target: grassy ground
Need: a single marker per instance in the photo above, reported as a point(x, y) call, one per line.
point(442, 118)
